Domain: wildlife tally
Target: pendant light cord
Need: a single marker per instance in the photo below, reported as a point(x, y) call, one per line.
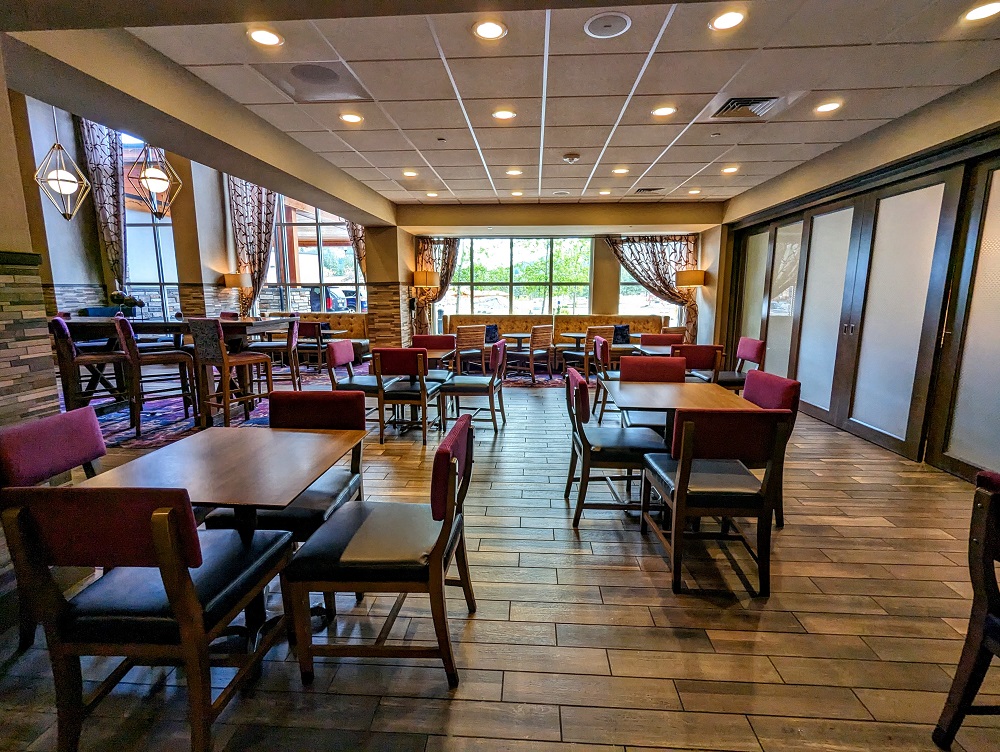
point(55, 123)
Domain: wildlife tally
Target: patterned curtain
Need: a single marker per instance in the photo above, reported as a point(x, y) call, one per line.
point(252, 210)
point(102, 150)
point(654, 260)
point(356, 233)
point(435, 255)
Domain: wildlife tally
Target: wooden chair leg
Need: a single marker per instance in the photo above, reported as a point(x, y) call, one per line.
point(381, 422)
point(572, 471)
point(227, 404)
point(646, 496)
point(969, 675)
point(288, 606)
point(582, 495)
point(423, 421)
point(531, 367)
point(303, 635)
point(199, 687)
point(26, 627)
point(503, 412)
point(330, 604)
point(439, 612)
point(779, 510)
point(462, 560)
point(764, 554)
point(493, 412)
point(68, 679)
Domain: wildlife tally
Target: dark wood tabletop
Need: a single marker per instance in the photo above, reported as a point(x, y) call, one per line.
point(654, 396)
point(98, 327)
point(236, 467)
point(655, 349)
point(437, 354)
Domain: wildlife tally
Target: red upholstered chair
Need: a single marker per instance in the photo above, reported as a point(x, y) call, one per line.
point(706, 475)
point(391, 547)
point(436, 342)
point(40, 450)
point(602, 359)
point(410, 389)
point(490, 385)
point(601, 448)
point(163, 386)
point(169, 593)
point(982, 638)
point(340, 354)
point(748, 350)
point(539, 352)
point(773, 393)
point(286, 350)
point(661, 339)
point(73, 364)
point(703, 361)
point(583, 357)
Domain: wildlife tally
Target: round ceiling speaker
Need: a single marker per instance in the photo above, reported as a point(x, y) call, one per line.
point(317, 75)
point(607, 25)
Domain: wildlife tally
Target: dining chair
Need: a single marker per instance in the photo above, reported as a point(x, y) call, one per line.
point(40, 450)
point(411, 388)
point(703, 361)
point(489, 385)
point(286, 350)
point(681, 330)
point(599, 447)
point(539, 352)
point(163, 384)
point(602, 360)
point(661, 339)
point(391, 547)
point(470, 341)
point(311, 342)
point(774, 393)
point(167, 592)
point(340, 354)
point(660, 370)
point(748, 350)
point(73, 364)
point(982, 636)
point(583, 357)
point(706, 475)
point(436, 342)
point(210, 352)
point(229, 315)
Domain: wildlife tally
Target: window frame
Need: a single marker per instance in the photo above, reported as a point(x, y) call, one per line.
point(675, 312)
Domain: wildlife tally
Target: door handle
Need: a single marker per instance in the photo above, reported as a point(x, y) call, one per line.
point(845, 328)
point(852, 328)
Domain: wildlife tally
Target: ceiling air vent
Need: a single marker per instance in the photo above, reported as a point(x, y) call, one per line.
point(314, 82)
point(754, 108)
point(643, 191)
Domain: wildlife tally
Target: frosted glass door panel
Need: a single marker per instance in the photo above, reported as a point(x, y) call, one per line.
point(829, 249)
point(781, 309)
point(975, 427)
point(905, 236)
point(753, 284)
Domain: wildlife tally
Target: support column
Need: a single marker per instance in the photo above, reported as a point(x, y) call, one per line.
point(605, 280)
point(390, 261)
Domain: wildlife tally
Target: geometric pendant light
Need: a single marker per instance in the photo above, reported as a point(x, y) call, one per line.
point(156, 182)
point(60, 179)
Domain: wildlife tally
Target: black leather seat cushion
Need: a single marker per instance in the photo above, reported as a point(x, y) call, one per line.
point(307, 512)
point(366, 384)
point(578, 354)
point(369, 541)
point(467, 385)
point(129, 604)
point(439, 375)
point(523, 354)
point(701, 375)
point(714, 478)
point(611, 376)
point(625, 444)
point(655, 420)
point(726, 378)
point(407, 389)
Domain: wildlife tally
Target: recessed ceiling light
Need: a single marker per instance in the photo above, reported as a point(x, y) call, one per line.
point(266, 37)
point(517, 193)
point(431, 195)
point(410, 173)
point(983, 11)
point(829, 107)
point(730, 170)
point(490, 30)
point(605, 193)
point(513, 171)
point(726, 21)
point(620, 171)
point(664, 111)
point(694, 191)
point(504, 114)
point(350, 117)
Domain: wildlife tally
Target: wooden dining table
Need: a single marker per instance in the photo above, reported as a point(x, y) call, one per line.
point(652, 396)
point(437, 354)
point(657, 350)
point(245, 469)
point(101, 327)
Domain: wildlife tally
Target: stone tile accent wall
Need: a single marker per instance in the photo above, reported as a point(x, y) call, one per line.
point(207, 300)
point(73, 297)
point(389, 315)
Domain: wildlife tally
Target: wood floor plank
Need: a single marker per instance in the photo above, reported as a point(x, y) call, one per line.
point(659, 728)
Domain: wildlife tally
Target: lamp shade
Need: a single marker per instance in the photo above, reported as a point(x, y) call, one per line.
point(425, 278)
point(243, 279)
point(690, 278)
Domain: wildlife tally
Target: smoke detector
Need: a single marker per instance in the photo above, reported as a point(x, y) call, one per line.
point(571, 157)
point(607, 25)
point(560, 193)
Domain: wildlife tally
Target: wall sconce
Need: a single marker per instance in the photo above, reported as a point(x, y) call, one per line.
point(690, 278)
point(425, 278)
point(240, 280)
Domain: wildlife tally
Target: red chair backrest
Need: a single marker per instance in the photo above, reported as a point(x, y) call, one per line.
point(602, 351)
point(661, 339)
point(311, 330)
point(399, 361)
point(643, 368)
point(293, 333)
point(456, 445)
point(751, 350)
point(344, 411)
point(772, 392)
point(340, 352)
point(103, 527)
point(698, 357)
point(434, 341)
point(498, 357)
point(229, 315)
point(580, 394)
point(41, 449)
point(745, 435)
point(65, 346)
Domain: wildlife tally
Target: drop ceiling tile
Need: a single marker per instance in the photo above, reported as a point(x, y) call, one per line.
point(561, 170)
point(405, 80)
point(568, 37)
point(931, 64)
point(691, 72)
point(575, 137)
point(872, 104)
point(503, 157)
point(498, 78)
point(525, 34)
point(681, 169)
point(689, 106)
point(380, 38)
point(452, 157)
point(689, 27)
point(365, 173)
point(381, 186)
point(701, 134)
point(372, 141)
point(630, 155)
point(569, 111)
point(944, 21)
point(645, 135)
point(216, 44)
point(508, 138)
point(585, 75)
point(529, 112)
point(454, 138)
point(830, 22)
point(476, 194)
point(768, 152)
point(436, 113)
point(240, 82)
point(777, 72)
point(394, 159)
point(768, 169)
point(464, 185)
point(463, 173)
point(329, 115)
point(703, 154)
point(344, 159)
point(287, 117)
point(399, 197)
point(320, 141)
point(830, 131)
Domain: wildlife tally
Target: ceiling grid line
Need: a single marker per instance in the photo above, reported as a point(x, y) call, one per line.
point(545, 90)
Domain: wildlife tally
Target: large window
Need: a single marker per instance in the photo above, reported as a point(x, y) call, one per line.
point(520, 275)
point(151, 263)
point(634, 299)
point(313, 267)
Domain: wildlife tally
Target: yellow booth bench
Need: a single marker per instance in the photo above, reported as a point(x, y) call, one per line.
point(356, 325)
